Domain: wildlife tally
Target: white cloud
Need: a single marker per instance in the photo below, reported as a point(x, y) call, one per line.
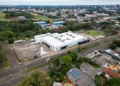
point(58, 2)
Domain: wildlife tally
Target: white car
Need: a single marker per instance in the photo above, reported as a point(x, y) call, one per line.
point(47, 59)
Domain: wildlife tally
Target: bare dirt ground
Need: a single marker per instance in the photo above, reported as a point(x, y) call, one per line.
point(27, 51)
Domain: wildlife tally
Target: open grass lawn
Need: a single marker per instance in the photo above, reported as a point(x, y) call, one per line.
point(23, 60)
point(94, 33)
point(35, 67)
point(41, 17)
point(2, 15)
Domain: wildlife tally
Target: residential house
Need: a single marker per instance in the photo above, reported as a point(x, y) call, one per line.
point(90, 70)
point(79, 78)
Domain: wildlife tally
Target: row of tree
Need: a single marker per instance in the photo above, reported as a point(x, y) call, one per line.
point(16, 14)
point(15, 30)
point(4, 61)
point(115, 44)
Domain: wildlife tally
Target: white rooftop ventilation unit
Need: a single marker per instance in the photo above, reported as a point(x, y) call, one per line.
point(68, 39)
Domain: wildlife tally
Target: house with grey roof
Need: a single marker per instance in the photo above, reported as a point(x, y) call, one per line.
point(101, 58)
point(90, 70)
point(111, 53)
point(104, 59)
point(79, 78)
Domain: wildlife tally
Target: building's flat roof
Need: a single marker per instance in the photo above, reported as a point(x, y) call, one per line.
point(56, 39)
point(40, 22)
point(103, 59)
point(52, 41)
point(59, 22)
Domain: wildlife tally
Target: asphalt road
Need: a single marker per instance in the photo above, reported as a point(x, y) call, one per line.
point(41, 61)
point(16, 68)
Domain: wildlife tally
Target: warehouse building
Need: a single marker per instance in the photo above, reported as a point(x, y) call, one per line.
point(60, 41)
point(42, 23)
point(59, 23)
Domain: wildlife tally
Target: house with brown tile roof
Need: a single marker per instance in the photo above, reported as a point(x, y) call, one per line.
point(110, 73)
point(114, 67)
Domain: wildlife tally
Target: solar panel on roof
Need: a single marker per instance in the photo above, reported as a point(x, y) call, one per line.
point(76, 72)
point(74, 75)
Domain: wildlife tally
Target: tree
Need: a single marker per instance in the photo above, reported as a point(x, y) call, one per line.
point(113, 82)
point(61, 77)
point(117, 42)
point(59, 13)
point(73, 55)
point(97, 80)
point(113, 46)
point(56, 62)
point(4, 61)
point(66, 59)
point(36, 78)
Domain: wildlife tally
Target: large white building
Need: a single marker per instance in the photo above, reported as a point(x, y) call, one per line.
point(60, 41)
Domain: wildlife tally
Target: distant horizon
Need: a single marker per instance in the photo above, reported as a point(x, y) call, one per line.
point(59, 2)
point(56, 5)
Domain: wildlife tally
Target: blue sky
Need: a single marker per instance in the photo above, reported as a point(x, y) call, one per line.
point(59, 2)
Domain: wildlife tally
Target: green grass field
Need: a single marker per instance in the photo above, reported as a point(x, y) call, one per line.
point(2, 15)
point(41, 17)
point(35, 67)
point(94, 33)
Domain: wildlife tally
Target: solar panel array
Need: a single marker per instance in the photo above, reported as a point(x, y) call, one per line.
point(75, 73)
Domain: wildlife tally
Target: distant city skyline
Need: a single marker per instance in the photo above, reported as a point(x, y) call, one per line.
point(59, 2)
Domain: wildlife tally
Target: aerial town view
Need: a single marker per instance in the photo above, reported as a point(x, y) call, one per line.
point(59, 42)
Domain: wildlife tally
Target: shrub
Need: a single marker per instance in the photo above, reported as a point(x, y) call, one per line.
point(97, 80)
point(113, 46)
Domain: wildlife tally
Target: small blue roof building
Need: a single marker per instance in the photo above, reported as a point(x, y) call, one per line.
point(58, 23)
